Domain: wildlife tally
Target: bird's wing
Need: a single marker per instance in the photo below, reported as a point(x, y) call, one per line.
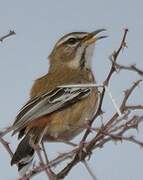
point(48, 103)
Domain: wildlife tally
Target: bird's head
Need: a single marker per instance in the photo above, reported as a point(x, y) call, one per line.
point(75, 49)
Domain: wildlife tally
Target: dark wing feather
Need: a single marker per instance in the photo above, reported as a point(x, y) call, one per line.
point(48, 103)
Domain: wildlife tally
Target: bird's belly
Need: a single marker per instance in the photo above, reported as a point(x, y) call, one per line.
point(65, 124)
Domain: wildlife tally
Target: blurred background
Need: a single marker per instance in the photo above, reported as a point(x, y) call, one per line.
point(23, 58)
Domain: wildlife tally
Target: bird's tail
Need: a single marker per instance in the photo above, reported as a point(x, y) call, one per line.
point(23, 156)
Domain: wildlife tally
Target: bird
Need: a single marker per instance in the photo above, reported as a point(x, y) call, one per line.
point(57, 111)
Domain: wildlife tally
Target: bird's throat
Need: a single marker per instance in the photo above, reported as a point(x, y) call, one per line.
point(82, 61)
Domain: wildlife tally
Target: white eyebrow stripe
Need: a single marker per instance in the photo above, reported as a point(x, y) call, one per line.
point(64, 39)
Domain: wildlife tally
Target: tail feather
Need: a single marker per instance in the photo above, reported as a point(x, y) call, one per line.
point(24, 155)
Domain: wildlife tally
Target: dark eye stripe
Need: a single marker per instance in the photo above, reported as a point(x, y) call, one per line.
point(72, 41)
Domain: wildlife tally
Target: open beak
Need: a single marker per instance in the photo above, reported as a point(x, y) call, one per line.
point(92, 37)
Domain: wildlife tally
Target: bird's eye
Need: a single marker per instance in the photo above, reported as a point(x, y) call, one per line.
point(72, 41)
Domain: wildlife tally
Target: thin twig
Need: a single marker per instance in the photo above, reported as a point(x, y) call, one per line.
point(134, 107)
point(89, 170)
point(11, 33)
point(6, 131)
point(6, 145)
point(128, 93)
point(113, 101)
point(81, 85)
point(131, 67)
point(45, 154)
point(47, 170)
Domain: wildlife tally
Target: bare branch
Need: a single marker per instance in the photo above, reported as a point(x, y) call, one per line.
point(128, 93)
point(89, 170)
point(134, 107)
point(47, 170)
point(6, 131)
point(131, 67)
point(7, 147)
point(11, 33)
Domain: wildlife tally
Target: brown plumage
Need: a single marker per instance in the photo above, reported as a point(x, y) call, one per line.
point(70, 119)
point(54, 113)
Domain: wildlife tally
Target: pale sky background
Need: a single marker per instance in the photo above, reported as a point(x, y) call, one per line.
point(23, 58)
